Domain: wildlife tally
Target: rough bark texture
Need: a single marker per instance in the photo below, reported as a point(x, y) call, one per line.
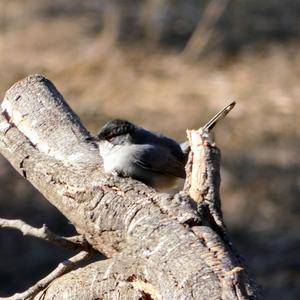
point(158, 246)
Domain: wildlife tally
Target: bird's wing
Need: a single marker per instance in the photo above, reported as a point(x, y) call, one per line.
point(160, 160)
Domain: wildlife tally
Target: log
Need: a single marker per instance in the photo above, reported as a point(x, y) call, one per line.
point(157, 245)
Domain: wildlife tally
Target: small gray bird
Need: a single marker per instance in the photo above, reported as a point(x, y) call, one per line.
point(131, 151)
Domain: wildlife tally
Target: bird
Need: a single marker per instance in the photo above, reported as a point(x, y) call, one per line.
point(129, 150)
point(132, 151)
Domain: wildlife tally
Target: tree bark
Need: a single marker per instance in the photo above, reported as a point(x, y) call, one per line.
point(158, 246)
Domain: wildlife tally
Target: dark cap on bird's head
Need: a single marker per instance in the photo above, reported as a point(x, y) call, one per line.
point(114, 128)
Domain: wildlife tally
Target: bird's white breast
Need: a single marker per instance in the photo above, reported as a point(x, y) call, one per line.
point(115, 159)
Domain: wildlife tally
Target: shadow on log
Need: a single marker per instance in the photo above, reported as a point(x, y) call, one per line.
point(157, 246)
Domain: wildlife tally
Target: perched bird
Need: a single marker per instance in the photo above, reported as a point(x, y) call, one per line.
point(132, 151)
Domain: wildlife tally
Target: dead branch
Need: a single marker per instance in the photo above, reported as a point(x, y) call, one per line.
point(159, 246)
point(204, 175)
point(43, 233)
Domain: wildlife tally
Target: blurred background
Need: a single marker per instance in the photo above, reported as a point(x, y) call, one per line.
point(169, 65)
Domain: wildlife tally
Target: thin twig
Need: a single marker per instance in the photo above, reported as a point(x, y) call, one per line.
point(61, 269)
point(72, 243)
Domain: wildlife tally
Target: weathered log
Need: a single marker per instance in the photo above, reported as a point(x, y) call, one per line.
point(158, 245)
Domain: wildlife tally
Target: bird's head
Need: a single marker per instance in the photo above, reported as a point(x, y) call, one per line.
point(116, 131)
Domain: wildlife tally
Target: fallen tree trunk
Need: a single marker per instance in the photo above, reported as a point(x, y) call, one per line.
point(157, 245)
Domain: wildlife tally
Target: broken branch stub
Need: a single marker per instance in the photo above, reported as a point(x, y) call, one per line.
point(158, 246)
